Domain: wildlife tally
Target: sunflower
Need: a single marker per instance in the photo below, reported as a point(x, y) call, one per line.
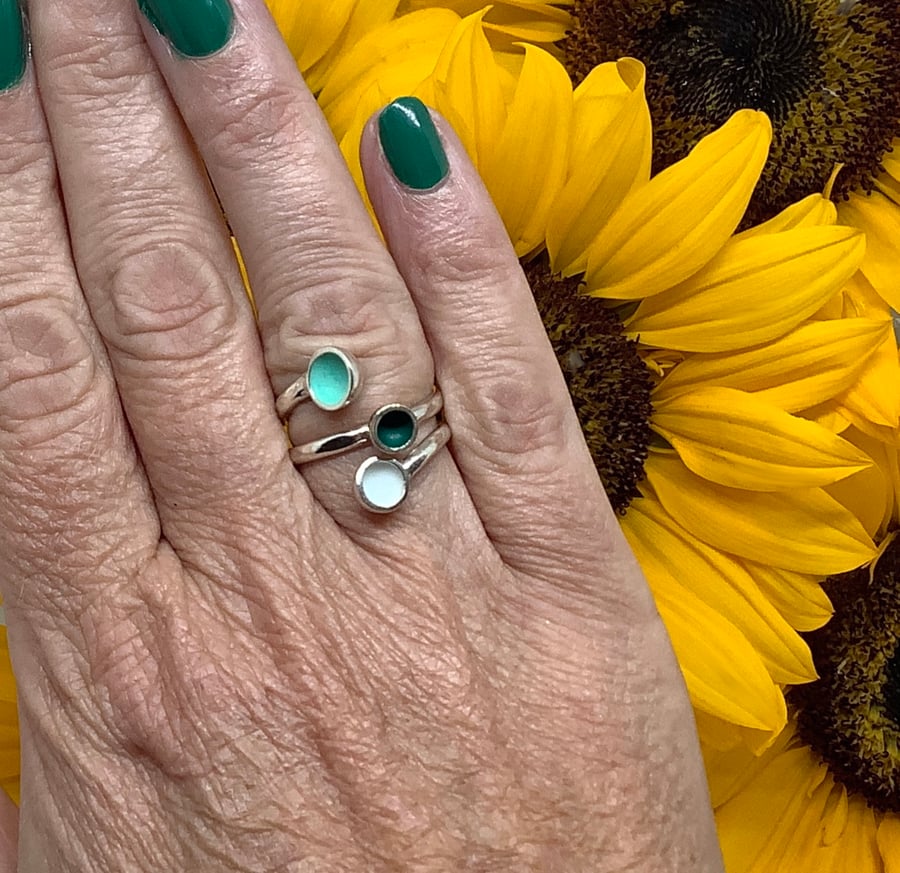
point(689, 403)
point(827, 72)
point(324, 31)
point(826, 794)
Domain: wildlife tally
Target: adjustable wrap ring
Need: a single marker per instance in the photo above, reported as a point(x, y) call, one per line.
point(392, 431)
point(331, 380)
point(382, 484)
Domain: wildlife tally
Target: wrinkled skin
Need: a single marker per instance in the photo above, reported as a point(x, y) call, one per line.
point(224, 663)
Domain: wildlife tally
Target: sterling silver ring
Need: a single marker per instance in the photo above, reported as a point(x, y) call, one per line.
point(392, 430)
point(331, 380)
point(382, 484)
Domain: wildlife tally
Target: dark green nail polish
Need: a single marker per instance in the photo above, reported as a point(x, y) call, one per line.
point(196, 28)
point(12, 44)
point(411, 144)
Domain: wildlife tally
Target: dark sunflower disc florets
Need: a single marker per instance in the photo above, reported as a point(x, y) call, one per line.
point(826, 72)
point(609, 384)
point(851, 715)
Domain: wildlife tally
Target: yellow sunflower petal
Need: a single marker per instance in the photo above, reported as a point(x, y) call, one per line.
point(468, 88)
point(735, 439)
point(799, 597)
point(857, 848)
point(722, 583)
point(388, 62)
point(879, 218)
point(812, 211)
point(723, 673)
point(869, 396)
point(9, 724)
point(716, 733)
point(891, 160)
point(811, 364)
point(610, 156)
point(888, 839)
point(889, 186)
point(310, 29)
point(669, 228)
point(868, 494)
point(755, 290)
point(729, 770)
point(759, 822)
point(533, 148)
point(526, 20)
point(803, 530)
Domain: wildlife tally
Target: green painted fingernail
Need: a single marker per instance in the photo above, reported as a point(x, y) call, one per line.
point(12, 44)
point(196, 28)
point(411, 144)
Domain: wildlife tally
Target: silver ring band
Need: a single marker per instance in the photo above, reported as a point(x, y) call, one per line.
point(382, 484)
point(331, 380)
point(392, 430)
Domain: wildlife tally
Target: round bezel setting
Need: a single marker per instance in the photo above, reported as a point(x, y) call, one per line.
point(393, 429)
point(382, 485)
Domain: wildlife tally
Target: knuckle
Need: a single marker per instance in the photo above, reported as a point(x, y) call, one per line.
point(47, 369)
point(521, 411)
point(168, 303)
point(340, 303)
point(257, 116)
point(96, 71)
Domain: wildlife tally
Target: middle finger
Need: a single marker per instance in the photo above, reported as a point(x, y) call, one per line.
point(319, 271)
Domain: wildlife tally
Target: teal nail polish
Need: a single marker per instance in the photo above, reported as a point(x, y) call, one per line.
point(411, 144)
point(12, 44)
point(196, 28)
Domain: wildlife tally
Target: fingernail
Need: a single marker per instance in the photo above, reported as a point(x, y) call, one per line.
point(196, 28)
point(12, 45)
point(411, 144)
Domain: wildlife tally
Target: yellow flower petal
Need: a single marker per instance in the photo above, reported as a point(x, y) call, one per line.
point(888, 839)
point(610, 157)
point(755, 290)
point(731, 769)
point(736, 439)
point(799, 597)
point(759, 823)
point(9, 723)
point(812, 211)
point(533, 148)
point(468, 88)
point(856, 849)
point(310, 29)
point(813, 363)
point(722, 583)
point(669, 228)
point(803, 530)
point(875, 393)
point(879, 218)
point(869, 495)
point(521, 20)
point(389, 62)
point(723, 673)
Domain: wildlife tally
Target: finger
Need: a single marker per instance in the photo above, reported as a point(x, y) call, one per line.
point(158, 271)
point(516, 438)
point(71, 488)
point(319, 272)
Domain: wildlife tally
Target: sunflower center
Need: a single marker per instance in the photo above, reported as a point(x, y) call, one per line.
point(826, 72)
point(609, 383)
point(851, 715)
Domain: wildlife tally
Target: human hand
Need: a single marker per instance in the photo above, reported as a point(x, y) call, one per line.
point(225, 663)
